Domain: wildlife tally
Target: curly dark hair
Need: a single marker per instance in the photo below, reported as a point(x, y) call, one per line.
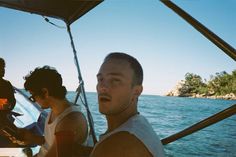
point(45, 77)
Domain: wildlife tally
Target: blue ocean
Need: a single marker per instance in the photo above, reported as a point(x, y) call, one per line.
point(169, 115)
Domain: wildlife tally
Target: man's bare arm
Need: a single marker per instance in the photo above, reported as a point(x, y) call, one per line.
point(30, 138)
point(121, 144)
point(72, 130)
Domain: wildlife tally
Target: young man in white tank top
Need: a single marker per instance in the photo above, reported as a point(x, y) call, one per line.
point(129, 134)
point(65, 125)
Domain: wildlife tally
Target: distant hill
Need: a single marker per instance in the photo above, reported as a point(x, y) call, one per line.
point(220, 86)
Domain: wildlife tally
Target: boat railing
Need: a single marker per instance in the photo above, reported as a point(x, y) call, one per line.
point(202, 124)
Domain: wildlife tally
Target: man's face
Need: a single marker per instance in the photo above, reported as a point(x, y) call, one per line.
point(114, 87)
point(39, 99)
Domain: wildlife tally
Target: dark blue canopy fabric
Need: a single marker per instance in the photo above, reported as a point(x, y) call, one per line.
point(67, 10)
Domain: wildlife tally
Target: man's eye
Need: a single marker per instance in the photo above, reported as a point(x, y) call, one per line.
point(99, 79)
point(115, 80)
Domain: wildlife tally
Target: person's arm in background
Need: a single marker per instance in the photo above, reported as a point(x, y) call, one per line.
point(30, 138)
point(11, 96)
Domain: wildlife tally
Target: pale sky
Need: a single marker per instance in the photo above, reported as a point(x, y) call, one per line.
point(166, 45)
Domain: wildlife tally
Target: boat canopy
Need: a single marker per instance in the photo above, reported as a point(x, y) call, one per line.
point(67, 10)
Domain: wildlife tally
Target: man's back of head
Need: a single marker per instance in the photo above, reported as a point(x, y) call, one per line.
point(2, 67)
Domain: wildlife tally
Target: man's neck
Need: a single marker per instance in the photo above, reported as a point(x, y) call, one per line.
point(57, 107)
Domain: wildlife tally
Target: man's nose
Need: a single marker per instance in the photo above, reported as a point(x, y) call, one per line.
point(102, 86)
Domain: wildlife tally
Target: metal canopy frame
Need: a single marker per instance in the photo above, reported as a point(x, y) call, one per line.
point(224, 46)
point(67, 10)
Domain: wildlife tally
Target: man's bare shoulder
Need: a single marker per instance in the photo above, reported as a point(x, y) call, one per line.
point(75, 115)
point(121, 144)
point(76, 123)
point(73, 119)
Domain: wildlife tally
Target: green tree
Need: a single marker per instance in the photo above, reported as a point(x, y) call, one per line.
point(194, 84)
point(219, 84)
point(223, 83)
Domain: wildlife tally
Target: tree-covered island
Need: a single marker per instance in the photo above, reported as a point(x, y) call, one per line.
point(220, 86)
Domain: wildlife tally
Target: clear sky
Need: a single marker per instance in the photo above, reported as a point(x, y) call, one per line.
point(166, 45)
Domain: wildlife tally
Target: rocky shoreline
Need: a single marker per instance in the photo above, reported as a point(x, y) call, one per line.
point(177, 91)
point(230, 96)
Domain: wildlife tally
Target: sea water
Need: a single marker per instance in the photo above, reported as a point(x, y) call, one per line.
point(169, 115)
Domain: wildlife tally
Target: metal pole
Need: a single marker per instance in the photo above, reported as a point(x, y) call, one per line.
point(228, 49)
point(90, 120)
point(202, 124)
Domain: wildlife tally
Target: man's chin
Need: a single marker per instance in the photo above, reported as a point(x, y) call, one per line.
point(102, 111)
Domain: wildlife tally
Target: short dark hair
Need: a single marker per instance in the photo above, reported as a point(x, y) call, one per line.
point(134, 64)
point(45, 77)
point(2, 63)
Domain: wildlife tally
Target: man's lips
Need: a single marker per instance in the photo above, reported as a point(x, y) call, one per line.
point(104, 98)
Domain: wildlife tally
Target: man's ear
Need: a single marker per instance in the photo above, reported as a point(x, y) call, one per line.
point(138, 90)
point(45, 92)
